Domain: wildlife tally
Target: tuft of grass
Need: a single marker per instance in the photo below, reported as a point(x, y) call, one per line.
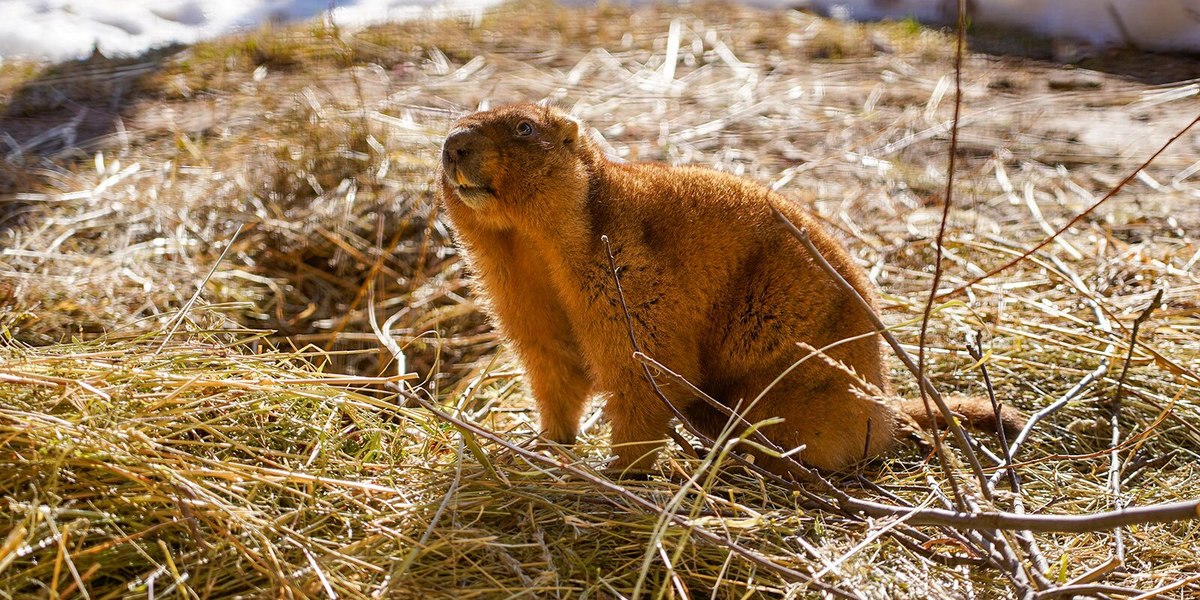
point(212, 468)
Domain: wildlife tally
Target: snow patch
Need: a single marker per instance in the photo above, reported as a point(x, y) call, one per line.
point(64, 29)
point(1158, 25)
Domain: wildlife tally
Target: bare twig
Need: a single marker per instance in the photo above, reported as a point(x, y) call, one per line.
point(947, 200)
point(1079, 217)
point(177, 320)
point(951, 422)
point(1086, 590)
point(1024, 538)
point(1133, 338)
point(1009, 563)
point(1114, 462)
point(975, 350)
point(787, 573)
point(990, 520)
point(1095, 375)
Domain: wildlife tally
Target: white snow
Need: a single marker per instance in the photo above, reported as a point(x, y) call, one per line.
point(61, 29)
point(1161, 25)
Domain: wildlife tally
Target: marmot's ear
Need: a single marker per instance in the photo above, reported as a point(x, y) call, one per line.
point(571, 130)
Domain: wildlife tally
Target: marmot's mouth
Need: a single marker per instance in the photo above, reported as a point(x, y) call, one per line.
point(468, 191)
point(474, 189)
point(474, 196)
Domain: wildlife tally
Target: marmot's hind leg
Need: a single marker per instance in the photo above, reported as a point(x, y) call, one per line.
point(838, 427)
point(639, 428)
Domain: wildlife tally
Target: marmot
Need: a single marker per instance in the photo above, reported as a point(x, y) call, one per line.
point(715, 290)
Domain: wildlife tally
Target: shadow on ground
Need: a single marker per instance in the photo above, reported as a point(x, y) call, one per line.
point(64, 111)
point(1152, 68)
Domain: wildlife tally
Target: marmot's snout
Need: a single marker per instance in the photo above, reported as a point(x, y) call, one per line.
point(458, 145)
point(462, 166)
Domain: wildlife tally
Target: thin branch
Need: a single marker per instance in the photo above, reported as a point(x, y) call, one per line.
point(177, 320)
point(1010, 563)
point(951, 422)
point(1079, 217)
point(786, 573)
point(1133, 338)
point(948, 197)
point(1114, 417)
point(1155, 513)
point(975, 350)
point(1099, 372)
point(1087, 590)
point(1024, 538)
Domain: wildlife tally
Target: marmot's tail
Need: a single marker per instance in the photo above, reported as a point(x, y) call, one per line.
point(976, 413)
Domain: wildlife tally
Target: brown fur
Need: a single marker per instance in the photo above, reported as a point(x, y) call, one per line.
point(717, 291)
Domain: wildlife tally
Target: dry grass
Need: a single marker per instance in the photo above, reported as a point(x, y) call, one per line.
point(230, 460)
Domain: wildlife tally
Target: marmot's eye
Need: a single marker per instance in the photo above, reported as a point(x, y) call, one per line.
point(524, 128)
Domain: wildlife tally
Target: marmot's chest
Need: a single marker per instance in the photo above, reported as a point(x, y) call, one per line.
point(614, 288)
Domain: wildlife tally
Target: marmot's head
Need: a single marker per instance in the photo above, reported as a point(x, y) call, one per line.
point(510, 158)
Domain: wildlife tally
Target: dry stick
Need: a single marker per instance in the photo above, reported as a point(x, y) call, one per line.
point(991, 520)
point(178, 319)
point(975, 350)
point(1170, 587)
point(1100, 371)
point(937, 270)
point(1114, 463)
point(787, 573)
point(1006, 559)
point(844, 500)
point(1087, 591)
point(960, 435)
point(1155, 513)
point(1095, 573)
point(1079, 217)
point(1024, 538)
point(811, 475)
point(400, 571)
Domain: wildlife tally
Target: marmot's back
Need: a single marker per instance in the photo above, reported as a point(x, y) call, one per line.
point(717, 231)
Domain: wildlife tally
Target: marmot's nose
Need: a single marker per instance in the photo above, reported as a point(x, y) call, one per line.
point(457, 145)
